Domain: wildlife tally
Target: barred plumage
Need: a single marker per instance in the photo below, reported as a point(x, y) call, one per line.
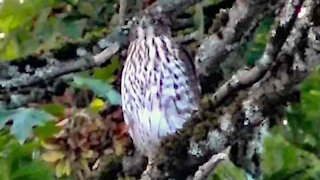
point(159, 89)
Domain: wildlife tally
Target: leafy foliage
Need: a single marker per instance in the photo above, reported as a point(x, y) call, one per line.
point(100, 88)
point(24, 119)
point(56, 110)
point(256, 47)
point(46, 131)
point(107, 73)
point(283, 160)
point(303, 118)
point(33, 26)
point(17, 161)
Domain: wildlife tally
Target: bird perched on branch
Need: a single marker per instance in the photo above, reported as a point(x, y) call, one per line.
point(160, 89)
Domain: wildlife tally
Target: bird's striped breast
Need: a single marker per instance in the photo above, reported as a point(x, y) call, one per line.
point(159, 90)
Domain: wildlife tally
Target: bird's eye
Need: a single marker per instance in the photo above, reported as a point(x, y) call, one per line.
point(153, 21)
point(134, 21)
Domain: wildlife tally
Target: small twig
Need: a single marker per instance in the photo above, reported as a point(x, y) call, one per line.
point(205, 170)
point(181, 23)
point(187, 38)
point(106, 54)
point(122, 11)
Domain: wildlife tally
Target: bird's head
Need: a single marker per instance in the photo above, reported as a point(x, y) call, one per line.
point(148, 26)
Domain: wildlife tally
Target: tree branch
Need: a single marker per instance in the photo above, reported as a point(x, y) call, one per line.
point(58, 69)
point(206, 169)
point(245, 78)
point(216, 47)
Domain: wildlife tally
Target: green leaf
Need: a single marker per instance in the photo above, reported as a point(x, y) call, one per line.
point(107, 73)
point(36, 170)
point(96, 105)
point(100, 88)
point(56, 110)
point(18, 161)
point(4, 170)
point(23, 121)
point(10, 49)
point(35, 26)
point(73, 29)
point(46, 131)
point(13, 13)
point(226, 170)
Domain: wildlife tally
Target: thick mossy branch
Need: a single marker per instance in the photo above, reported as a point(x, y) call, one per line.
point(251, 107)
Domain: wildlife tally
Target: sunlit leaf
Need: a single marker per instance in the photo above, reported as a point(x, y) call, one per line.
point(63, 168)
point(53, 156)
point(34, 26)
point(10, 50)
point(49, 146)
point(13, 13)
point(96, 105)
